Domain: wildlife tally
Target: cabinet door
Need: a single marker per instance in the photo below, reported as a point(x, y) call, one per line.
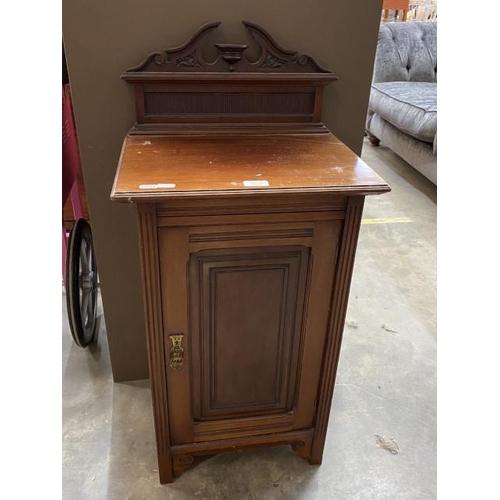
point(245, 314)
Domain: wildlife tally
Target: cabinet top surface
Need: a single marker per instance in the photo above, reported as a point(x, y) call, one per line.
point(152, 168)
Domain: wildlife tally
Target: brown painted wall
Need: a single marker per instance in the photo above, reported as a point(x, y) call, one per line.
point(105, 37)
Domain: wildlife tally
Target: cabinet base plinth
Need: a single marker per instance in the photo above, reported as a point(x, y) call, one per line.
point(183, 455)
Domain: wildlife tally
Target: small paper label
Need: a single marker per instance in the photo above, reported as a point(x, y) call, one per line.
point(156, 186)
point(256, 183)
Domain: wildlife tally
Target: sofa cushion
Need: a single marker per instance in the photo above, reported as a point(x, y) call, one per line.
point(409, 106)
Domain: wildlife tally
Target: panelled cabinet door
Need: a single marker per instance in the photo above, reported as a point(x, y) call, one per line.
point(245, 318)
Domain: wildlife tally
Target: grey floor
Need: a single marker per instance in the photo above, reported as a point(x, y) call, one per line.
point(386, 386)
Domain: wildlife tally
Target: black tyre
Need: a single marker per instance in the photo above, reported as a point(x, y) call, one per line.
point(81, 284)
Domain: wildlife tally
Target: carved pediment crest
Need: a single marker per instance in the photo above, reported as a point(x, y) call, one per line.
point(230, 58)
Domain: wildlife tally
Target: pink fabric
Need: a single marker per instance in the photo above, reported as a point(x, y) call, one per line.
point(70, 154)
point(70, 167)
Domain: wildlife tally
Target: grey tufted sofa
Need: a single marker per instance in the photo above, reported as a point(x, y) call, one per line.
point(402, 112)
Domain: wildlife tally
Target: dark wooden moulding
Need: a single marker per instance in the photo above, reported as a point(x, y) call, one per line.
point(229, 265)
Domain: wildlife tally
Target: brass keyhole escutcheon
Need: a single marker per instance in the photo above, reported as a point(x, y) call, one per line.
point(176, 351)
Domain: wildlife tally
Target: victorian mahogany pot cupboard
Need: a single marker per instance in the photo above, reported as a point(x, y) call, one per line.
point(248, 216)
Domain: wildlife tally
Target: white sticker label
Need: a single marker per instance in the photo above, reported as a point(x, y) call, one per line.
point(256, 183)
point(156, 186)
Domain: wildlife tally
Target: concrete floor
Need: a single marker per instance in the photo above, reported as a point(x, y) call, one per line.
point(386, 385)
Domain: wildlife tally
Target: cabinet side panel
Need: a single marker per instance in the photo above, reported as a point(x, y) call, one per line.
point(154, 335)
point(337, 318)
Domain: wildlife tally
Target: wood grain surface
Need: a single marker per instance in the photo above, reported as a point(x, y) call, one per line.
point(220, 165)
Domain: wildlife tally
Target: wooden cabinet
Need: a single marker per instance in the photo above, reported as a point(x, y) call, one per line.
point(247, 238)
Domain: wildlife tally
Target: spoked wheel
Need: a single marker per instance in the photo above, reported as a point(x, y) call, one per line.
point(81, 284)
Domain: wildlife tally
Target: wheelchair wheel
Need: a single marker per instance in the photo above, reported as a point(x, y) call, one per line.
point(81, 284)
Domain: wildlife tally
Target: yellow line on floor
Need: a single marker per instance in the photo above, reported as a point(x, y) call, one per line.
point(394, 220)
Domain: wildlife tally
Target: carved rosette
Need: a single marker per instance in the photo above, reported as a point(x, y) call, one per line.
point(181, 463)
point(302, 448)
